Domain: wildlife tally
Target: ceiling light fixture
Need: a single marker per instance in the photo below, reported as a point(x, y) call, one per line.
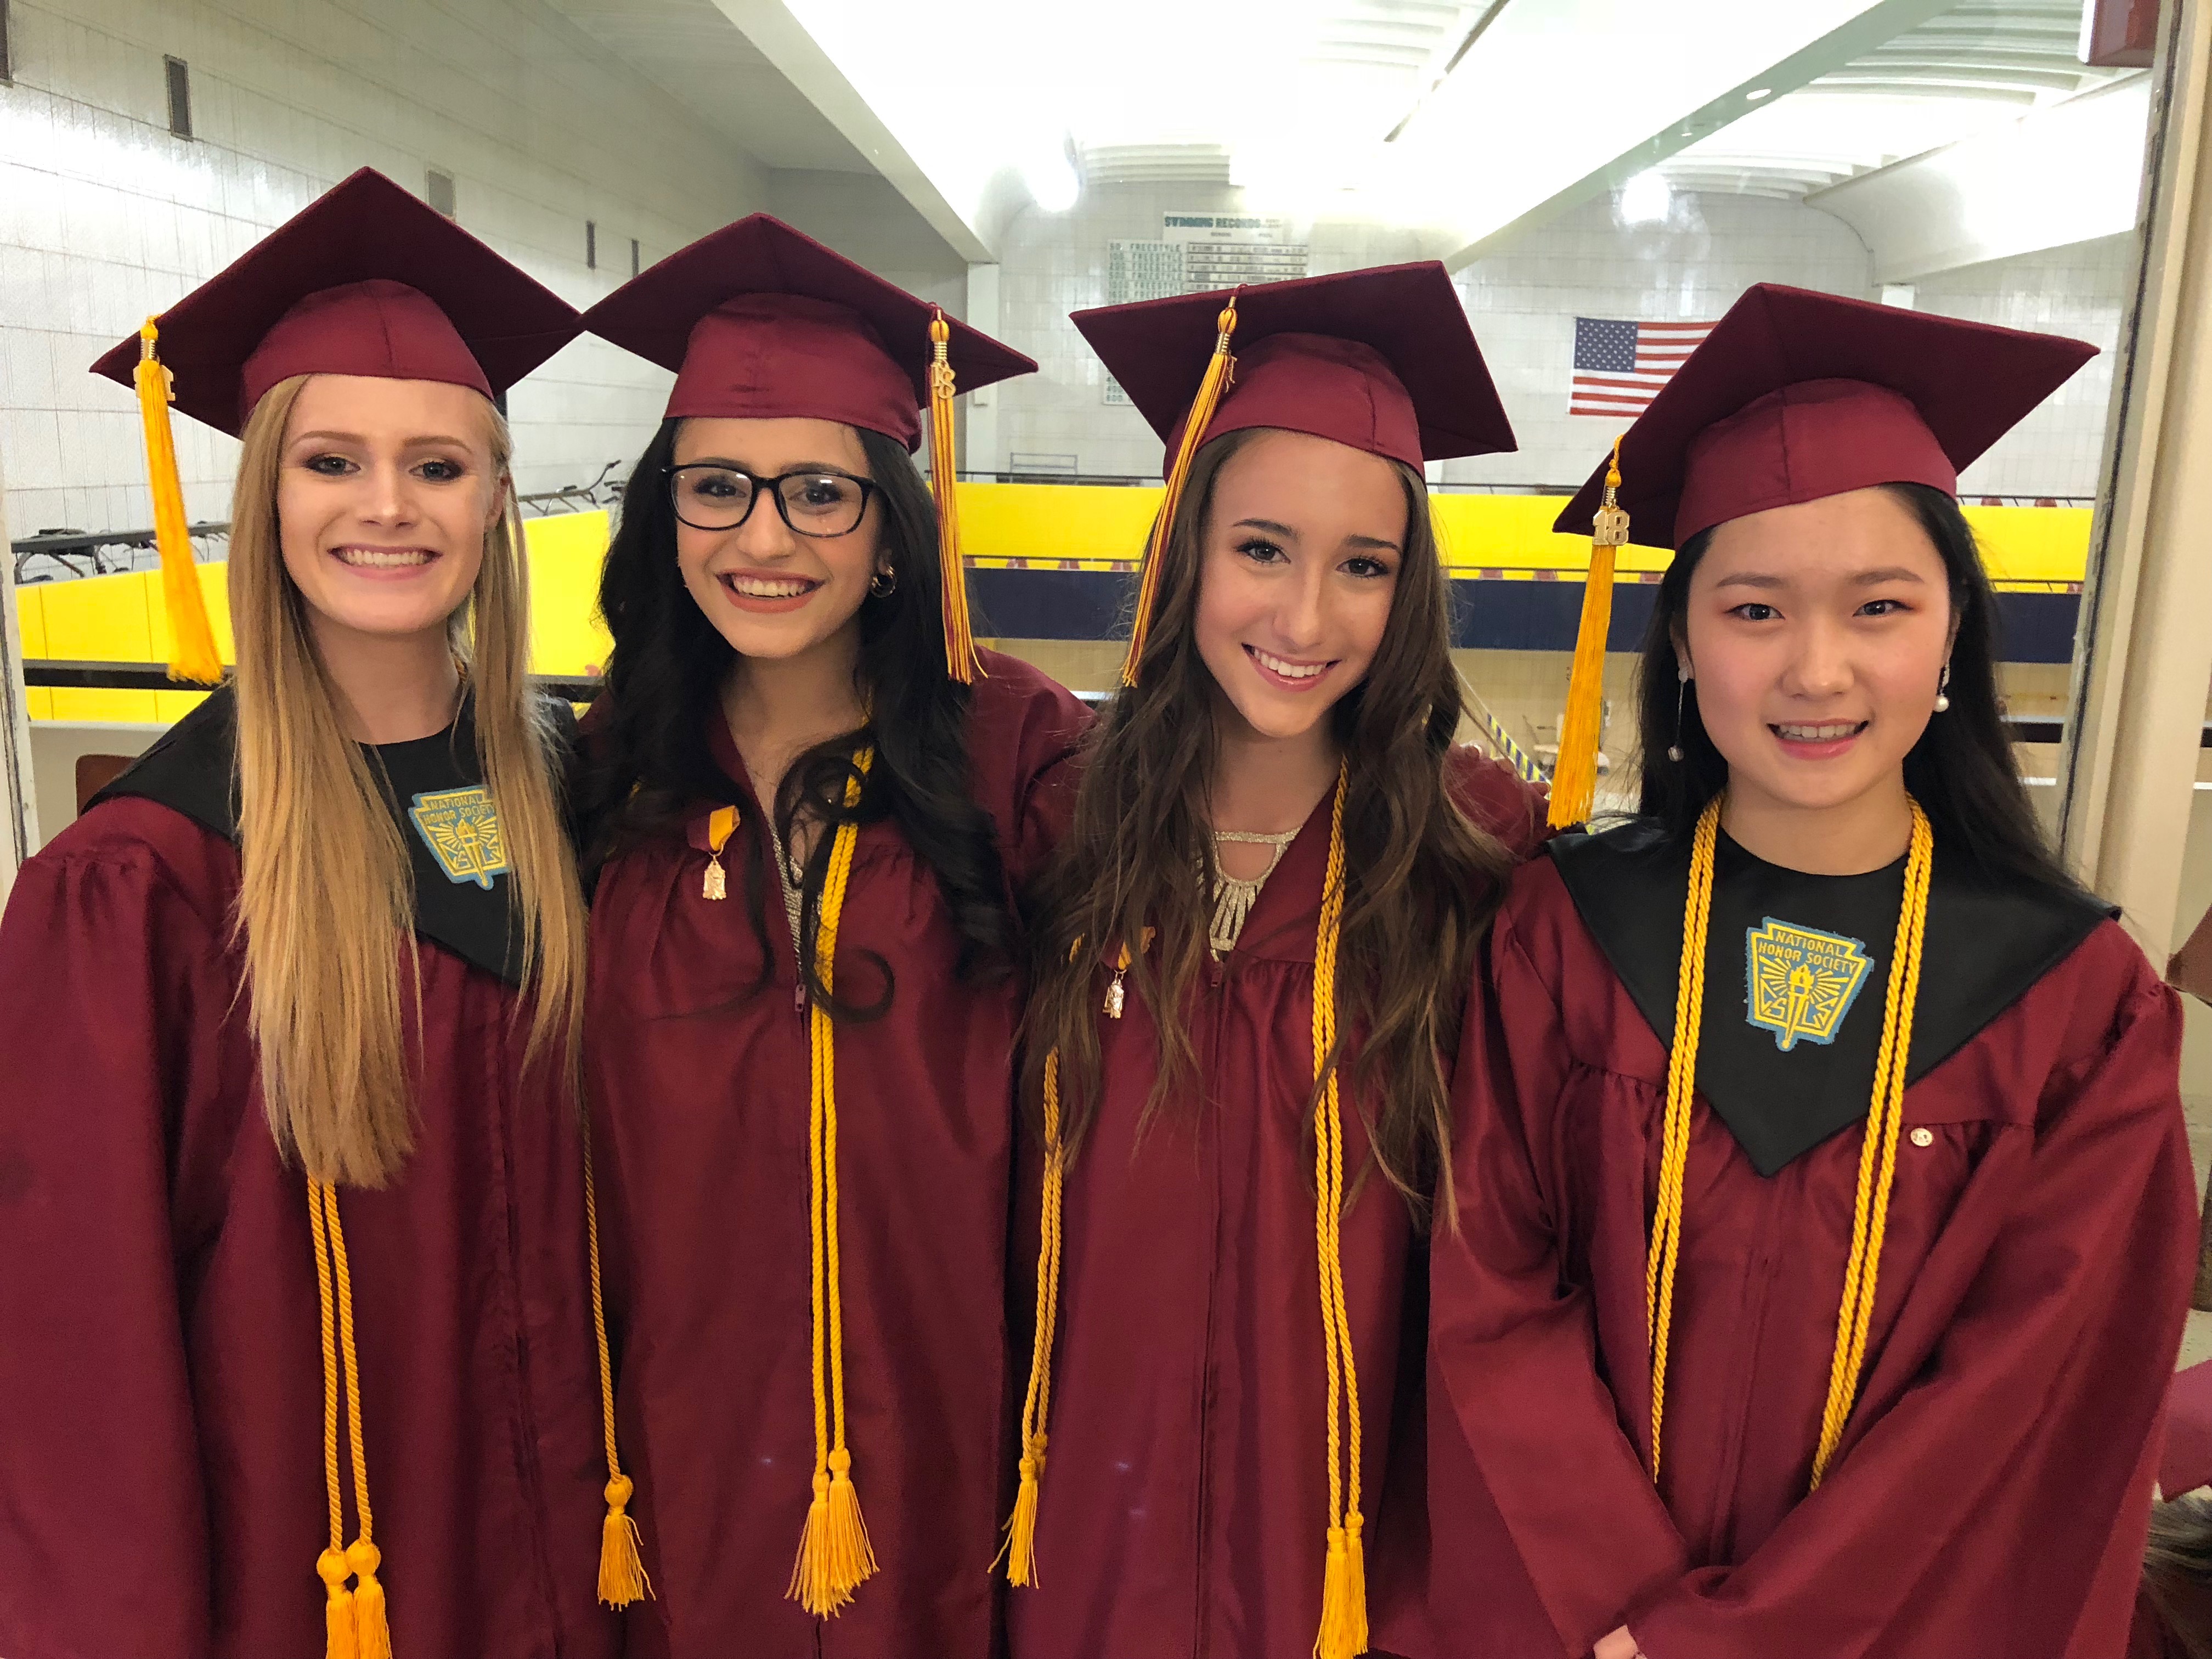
point(1646, 198)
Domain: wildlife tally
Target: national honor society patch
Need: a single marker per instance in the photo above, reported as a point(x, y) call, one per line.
point(1799, 983)
point(461, 829)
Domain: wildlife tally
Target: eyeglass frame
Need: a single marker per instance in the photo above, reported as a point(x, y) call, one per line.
point(868, 489)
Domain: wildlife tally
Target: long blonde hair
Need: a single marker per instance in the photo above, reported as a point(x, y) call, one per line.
point(325, 906)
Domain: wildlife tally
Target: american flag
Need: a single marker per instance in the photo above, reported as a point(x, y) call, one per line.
point(1619, 365)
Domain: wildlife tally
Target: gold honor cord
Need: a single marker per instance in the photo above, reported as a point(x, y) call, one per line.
point(1019, 1551)
point(1344, 1581)
point(960, 659)
point(355, 1621)
point(1343, 1631)
point(1220, 372)
point(1877, 1155)
point(622, 1578)
point(835, 1557)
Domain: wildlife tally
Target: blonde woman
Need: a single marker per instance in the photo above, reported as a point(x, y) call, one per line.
point(298, 1352)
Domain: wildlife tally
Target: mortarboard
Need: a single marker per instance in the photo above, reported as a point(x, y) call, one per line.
point(1380, 359)
point(365, 280)
point(1794, 396)
point(761, 322)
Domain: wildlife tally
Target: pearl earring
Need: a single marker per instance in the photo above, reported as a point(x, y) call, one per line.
point(1681, 689)
point(1943, 691)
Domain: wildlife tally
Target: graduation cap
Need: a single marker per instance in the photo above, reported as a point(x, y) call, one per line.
point(1793, 396)
point(761, 322)
point(2186, 1463)
point(365, 280)
point(1380, 359)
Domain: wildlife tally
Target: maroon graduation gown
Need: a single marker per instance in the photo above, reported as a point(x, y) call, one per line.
point(1184, 1505)
point(1990, 1496)
point(160, 1376)
point(700, 1096)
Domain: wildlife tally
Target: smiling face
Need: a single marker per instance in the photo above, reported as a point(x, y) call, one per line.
point(1817, 634)
point(770, 591)
point(1299, 561)
point(385, 492)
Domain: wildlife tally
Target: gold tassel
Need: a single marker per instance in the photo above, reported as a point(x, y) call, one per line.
point(1220, 371)
point(1343, 1595)
point(1574, 777)
point(192, 653)
point(338, 1611)
point(372, 1629)
point(960, 659)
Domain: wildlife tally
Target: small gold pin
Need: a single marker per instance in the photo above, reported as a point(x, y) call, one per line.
point(1923, 1137)
point(721, 824)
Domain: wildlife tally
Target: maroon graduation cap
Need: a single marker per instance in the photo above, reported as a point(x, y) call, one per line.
point(1795, 396)
point(760, 321)
point(1382, 360)
point(2186, 1461)
point(365, 280)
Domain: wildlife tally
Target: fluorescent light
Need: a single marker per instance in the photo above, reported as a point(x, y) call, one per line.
point(1758, 93)
point(1052, 183)
point(1646, 198)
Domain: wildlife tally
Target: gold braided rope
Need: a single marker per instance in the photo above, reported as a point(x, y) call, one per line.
point(622, 1578)
point(356, 1625)
point(1878, 1151)
point(1343, 1631)
point(835, 1556)
point(1019, 1551)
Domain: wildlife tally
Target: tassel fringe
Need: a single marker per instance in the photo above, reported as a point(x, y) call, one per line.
point(960, 659)
point(835, 1556)
point(1020, 1551)
point(372, 1626)
point(338, 1642)
point(193, 653)
point(1344, 1594)
point(621, 1563)
point(1220, 371)
point(1574, 778)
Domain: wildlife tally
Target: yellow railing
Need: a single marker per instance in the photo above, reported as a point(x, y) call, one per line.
point(1004, 526)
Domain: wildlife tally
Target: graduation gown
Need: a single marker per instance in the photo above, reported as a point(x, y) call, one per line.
point(1184, 1504)
point(161, 1487)
point(1990, 1496)
point(699, 1080)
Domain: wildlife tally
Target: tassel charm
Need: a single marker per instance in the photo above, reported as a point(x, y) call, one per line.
point(1344, 1594)
point(621, 1567)
point(372, 1626)
point(721, 825)
point(193, 653)
point(1020, 1551)
point(338, 1611)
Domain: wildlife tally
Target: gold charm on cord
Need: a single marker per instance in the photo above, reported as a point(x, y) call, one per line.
point(721, 824)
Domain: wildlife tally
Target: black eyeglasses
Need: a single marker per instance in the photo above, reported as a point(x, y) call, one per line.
point(708, 495)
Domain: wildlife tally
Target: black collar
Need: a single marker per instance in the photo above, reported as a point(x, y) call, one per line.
point(464, 895)
point(1984, 949)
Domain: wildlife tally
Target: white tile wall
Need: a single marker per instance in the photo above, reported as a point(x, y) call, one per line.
point(105, 217)
point(1523, 300)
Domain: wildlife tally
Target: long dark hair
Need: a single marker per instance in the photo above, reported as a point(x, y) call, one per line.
point(650, 762)
point(1961, 770)
point(1423, 879)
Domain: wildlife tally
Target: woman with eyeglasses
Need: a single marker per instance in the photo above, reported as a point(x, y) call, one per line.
point(809, 801)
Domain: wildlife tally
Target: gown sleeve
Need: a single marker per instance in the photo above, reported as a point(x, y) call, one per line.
point(107, 973)
point(1517, 1344)
point(2001, 1504)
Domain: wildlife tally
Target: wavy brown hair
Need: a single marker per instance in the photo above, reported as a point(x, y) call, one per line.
point(326, 901)
point(1422, 879)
